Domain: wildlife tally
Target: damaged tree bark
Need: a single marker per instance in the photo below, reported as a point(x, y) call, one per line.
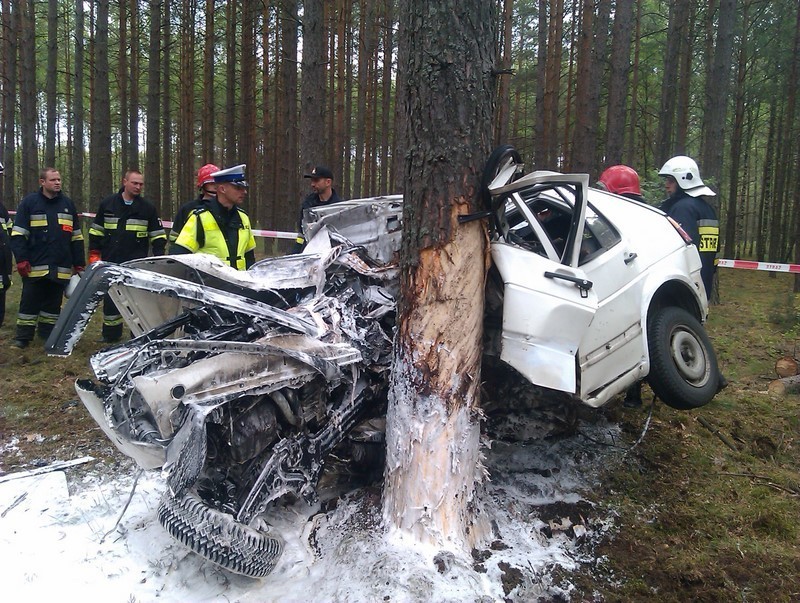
point(433, 456)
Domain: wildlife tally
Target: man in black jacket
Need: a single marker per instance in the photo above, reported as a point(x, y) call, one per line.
point(125, 227)
point(322, 193)
point(48, 245)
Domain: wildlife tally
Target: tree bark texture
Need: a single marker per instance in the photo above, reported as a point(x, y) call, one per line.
point(619, 65)
point(313, 136)
point(100, 183)
point(433, 457)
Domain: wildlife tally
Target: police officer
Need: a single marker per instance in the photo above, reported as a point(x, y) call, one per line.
point(5, 254)
point(48, 245)
point(687, 206)
point(322, 193)
point(125, 227)
point(220, 226)
point(208, 190)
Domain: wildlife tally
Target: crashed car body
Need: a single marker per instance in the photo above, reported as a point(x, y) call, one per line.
point(240, 384)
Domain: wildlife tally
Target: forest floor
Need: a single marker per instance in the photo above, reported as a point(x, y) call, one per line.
point(695, 520)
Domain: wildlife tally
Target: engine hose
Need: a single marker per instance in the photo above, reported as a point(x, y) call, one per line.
point(283, 404)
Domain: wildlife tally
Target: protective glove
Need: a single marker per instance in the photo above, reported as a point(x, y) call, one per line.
point(77, 269)
point(24, 268)
point(94, 256)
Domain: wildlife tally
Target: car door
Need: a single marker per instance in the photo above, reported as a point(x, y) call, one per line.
point(548, 302)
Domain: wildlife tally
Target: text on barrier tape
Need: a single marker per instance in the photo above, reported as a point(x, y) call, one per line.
point(768, 266)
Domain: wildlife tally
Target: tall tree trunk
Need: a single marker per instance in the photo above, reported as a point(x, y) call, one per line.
point(207, 114)
point(386, 185)
point(365, 50)
point(11, 22)
point(678, 17)
point(583, 143)
point(313, 137)
point(247, 143)
point(51, 83)
point(167, 200)
point(716, 95)
point(100, 180)
point(77, 192)
point(28, 110)
point(231, 36)
point(133, 85)
point(288, 172)
point(122, 85)
point(539, 127)
point(630, 151)
point(400, 116)
point(501, 135)
point(433, 461)
point(619, 64)
point(152, 159)
point(186, 108)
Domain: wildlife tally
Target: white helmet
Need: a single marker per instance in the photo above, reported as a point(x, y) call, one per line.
point(686, 173)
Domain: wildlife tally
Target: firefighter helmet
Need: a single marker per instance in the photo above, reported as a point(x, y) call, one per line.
point(621, 179)
point(204, 174)
point(687, 175)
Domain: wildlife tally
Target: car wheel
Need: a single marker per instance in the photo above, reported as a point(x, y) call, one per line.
point(218, 537)
point(683, 365)
point(501, 157)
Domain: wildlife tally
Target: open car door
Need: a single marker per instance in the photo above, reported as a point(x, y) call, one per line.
point(548, 303)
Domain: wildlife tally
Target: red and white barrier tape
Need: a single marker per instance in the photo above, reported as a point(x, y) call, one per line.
point(768, 266)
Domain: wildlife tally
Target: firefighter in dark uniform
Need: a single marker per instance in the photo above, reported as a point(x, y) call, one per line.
point(322, 193)
point(125, 227)
point(220, 227)
point(208, 190)
point(5, 254)
point(687, 206)
point(48, 245)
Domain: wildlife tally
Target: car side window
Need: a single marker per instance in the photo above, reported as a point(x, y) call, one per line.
point(541, 223)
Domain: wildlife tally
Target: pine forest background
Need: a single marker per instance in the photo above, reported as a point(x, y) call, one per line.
point(96, 87)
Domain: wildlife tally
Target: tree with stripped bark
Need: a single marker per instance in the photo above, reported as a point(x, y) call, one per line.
point(433, 460)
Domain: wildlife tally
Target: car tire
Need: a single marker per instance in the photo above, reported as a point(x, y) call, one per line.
point(496, 160)
point(218, 537)
point(683, 365)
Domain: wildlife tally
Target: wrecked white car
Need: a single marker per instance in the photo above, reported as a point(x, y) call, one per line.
point(240, 384)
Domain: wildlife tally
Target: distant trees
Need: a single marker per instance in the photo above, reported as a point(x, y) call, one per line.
point(96, 87)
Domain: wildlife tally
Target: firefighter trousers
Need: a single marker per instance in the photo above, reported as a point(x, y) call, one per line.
point(40, 304)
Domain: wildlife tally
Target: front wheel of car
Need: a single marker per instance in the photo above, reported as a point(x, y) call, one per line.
point(683, 365)
point(218, 537)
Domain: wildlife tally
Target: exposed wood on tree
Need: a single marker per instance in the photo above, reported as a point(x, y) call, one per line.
point(432, 425)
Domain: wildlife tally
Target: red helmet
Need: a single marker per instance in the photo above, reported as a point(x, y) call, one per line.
point(204, 174)
point(621, 179)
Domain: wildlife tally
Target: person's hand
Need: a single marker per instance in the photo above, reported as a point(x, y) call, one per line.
point(94, 256)
point(24, 268)
point(77, 269)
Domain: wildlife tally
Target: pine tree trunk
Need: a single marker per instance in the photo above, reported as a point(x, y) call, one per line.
point(78, 116)
point(433, 458)
point(313, 137)
point(52, 83)
point(152, 163)
point(100, 181)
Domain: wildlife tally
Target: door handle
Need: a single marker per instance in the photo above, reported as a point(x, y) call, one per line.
point(581, 283)
point(630, 257)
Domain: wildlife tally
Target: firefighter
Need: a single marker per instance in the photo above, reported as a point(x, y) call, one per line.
point(208, 190)
point(48, 246)
point(125, 227)
point(5, 254)
point(220, 226)
point(687, 206)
